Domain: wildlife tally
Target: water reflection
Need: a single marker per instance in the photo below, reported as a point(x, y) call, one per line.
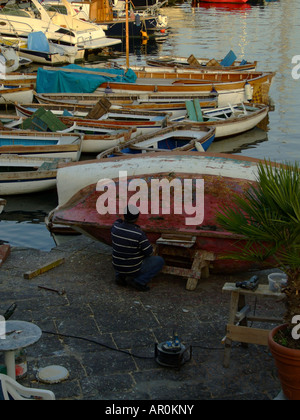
point(242, 142)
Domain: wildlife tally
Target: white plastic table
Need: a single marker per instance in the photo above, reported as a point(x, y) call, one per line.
point(18, 335)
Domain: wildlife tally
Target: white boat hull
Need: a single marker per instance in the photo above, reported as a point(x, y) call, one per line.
point(242, 118)
point(51, 59)
point(34, 144)
point(20, 96)
point(233, 96)
point(237, 127)
point(31, 178)
point(60, 29)
point(74, 177)
point(23, 186)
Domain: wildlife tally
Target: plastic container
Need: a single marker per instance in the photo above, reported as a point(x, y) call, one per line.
point(277, 281)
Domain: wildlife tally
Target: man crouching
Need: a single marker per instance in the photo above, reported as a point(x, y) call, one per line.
point(132, 256)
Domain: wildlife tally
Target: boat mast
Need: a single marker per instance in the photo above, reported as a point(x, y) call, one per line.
point(127, 34)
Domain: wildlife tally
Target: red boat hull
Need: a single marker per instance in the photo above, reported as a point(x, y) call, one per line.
point(81, 214)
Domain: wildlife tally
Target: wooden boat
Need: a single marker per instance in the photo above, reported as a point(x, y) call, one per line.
point(113, 112)
point(18, 79)
point(2, 204)
point(90, 99)
point(145, 123)
point(142, 121)
point(94, 139)
point(15, 94)
point(230, 120)
point(176, 109)
point(178, 137)
point(40, 144)
point(230, 87)
point(26, 175)
point(80, 190)
point(198, 64)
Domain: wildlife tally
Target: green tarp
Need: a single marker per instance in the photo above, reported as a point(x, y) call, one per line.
point(60, 81)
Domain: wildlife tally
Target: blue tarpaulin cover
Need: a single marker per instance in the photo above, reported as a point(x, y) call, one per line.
point(59, 81)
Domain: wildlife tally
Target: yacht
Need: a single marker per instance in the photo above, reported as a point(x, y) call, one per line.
point(111, 16)
point(20, 18)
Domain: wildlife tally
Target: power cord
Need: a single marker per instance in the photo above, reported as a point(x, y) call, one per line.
point(119, 350)
point(98, 343)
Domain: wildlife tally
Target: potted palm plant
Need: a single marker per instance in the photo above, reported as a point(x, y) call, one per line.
point(267, 216)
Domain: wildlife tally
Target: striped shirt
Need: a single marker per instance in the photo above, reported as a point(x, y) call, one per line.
point(130, 246)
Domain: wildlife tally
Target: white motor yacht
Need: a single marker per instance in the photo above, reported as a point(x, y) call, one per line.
point(19, 18)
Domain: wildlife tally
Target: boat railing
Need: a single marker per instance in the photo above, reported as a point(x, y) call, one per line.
point(155, 8)
point(11, 23)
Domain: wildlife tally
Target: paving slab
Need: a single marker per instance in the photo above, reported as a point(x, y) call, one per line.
point(105, 335)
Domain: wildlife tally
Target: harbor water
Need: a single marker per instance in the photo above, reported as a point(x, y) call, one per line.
point(263, 31)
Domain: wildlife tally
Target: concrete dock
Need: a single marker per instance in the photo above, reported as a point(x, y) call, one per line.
point(101, 323)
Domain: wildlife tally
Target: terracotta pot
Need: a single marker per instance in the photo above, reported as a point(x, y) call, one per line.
point(288, 364)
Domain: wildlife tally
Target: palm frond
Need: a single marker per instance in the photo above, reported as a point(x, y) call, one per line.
point(267, 216)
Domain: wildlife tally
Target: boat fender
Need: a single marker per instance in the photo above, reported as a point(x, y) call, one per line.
point(214, 91)
point(137, 20)
point(144, 35)
point(108, 89)
point(248, 91)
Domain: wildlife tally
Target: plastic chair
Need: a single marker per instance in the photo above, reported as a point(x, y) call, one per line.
point(12, 390)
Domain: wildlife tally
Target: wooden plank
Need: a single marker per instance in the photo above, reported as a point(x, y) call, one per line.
point(44, 269)
point(262, 290)
point(247, 335)
point(265, 319)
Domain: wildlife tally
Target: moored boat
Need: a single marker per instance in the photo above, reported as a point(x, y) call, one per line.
point(229, 120)
point(94, 139)
point(199, 64)
point(142, 121)
point(81, 202)
point(18, 22)
point(15, 94)
point(113, 19)
point(38, 49)
point(177, 109)
point(177, 137)
point(26, 175)
point(40, 144)
point(154, 101)
point(230, 88)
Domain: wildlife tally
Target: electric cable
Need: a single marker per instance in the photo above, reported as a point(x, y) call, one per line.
point(100, 344)
point(128, 353)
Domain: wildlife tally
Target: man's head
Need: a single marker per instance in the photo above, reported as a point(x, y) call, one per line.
point(131, 213)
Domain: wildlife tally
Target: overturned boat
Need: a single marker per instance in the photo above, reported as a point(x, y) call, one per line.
point(197, 185)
